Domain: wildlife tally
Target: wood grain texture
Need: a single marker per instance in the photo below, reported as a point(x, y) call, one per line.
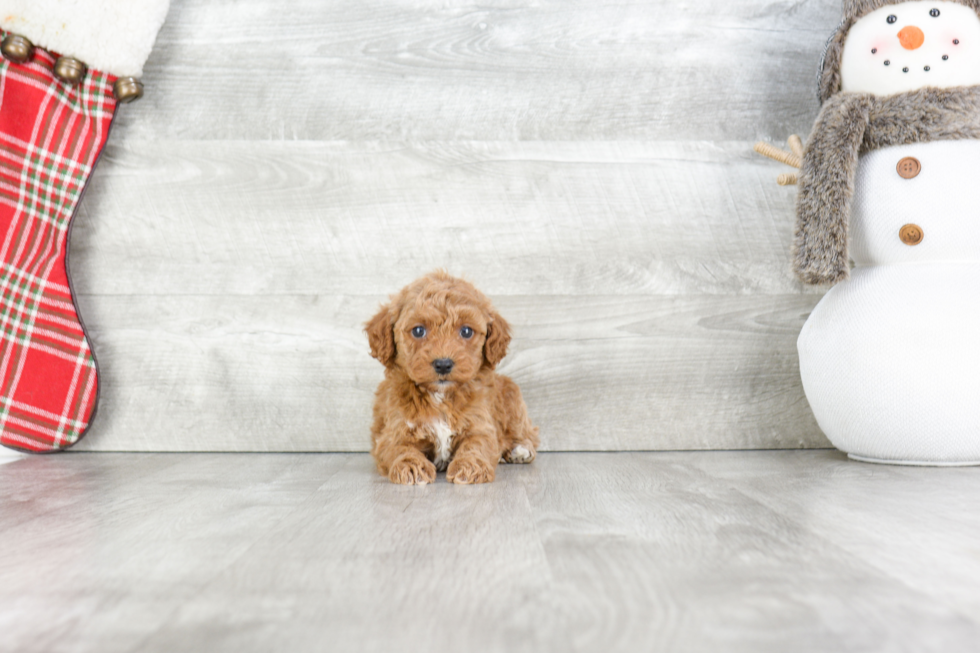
point(515, 70)
point(916, 550)
point(519, 218)
point(727, 571)
point(588, 165)
point(293, 373)
point(228, 315)
point(149, 531)
point(664, 552)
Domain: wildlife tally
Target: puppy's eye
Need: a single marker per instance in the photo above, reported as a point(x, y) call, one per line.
point(891, 19)
point(934, 13)
point(466, 333)
point(418, 332)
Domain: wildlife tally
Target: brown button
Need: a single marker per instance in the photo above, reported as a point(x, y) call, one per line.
point(909, 168)
point(911, 234)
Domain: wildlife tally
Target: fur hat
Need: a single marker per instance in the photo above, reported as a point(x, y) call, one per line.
point(829, 83)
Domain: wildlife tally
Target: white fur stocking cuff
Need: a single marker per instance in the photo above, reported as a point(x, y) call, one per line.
point(112, 36)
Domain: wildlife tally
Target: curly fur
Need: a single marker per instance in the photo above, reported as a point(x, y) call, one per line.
point(850, 124)
point(829, 82)
point(464, 421)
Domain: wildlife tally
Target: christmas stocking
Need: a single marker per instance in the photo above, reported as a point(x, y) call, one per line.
point(67, 65)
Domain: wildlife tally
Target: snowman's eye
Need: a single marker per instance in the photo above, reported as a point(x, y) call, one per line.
point(934, 13)
point(892, 19)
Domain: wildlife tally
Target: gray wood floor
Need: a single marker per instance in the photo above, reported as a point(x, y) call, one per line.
point(588, 164)
point(712, 551)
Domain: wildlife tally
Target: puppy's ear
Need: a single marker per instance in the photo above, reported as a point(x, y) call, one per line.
point(381, 335)
point(498, 337)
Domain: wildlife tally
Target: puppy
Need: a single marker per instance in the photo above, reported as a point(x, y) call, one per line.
point(441, 406)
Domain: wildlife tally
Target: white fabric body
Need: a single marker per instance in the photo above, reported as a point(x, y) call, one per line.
point(864, 71)
point(944, 199)
point(112, 36)
point(890, 359)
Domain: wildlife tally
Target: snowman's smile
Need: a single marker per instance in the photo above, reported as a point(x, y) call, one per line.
point(911, 45)
point(912, 38)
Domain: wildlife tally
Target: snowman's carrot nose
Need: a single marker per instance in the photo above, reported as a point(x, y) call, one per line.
point(911, 38)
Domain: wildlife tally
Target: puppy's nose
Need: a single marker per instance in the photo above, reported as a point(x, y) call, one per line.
point(443, 365)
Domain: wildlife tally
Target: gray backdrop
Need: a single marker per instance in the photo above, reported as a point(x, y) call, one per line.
point(588, 164)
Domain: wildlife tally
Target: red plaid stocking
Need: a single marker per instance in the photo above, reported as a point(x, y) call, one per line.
point(51, 135)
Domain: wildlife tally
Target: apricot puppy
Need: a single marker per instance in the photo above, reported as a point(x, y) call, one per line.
point(441, 406)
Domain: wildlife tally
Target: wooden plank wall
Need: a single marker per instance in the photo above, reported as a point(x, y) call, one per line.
point(588, 164)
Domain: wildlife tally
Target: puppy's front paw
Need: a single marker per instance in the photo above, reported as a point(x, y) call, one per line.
point(520, 454)
point(469, 471)
point(412, 471)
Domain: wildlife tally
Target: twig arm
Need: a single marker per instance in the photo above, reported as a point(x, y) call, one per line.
point(789, 158)
point(796, 145)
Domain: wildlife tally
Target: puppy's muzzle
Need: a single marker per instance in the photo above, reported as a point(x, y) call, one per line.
point(443, 366)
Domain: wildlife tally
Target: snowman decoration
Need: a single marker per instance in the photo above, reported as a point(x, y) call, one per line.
point(890, 180)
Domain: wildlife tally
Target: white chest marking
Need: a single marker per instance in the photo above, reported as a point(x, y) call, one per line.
point(444, 439)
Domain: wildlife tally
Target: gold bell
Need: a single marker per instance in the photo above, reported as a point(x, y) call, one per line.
point(127, 89)
point(70, 71)
point(16, 48)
